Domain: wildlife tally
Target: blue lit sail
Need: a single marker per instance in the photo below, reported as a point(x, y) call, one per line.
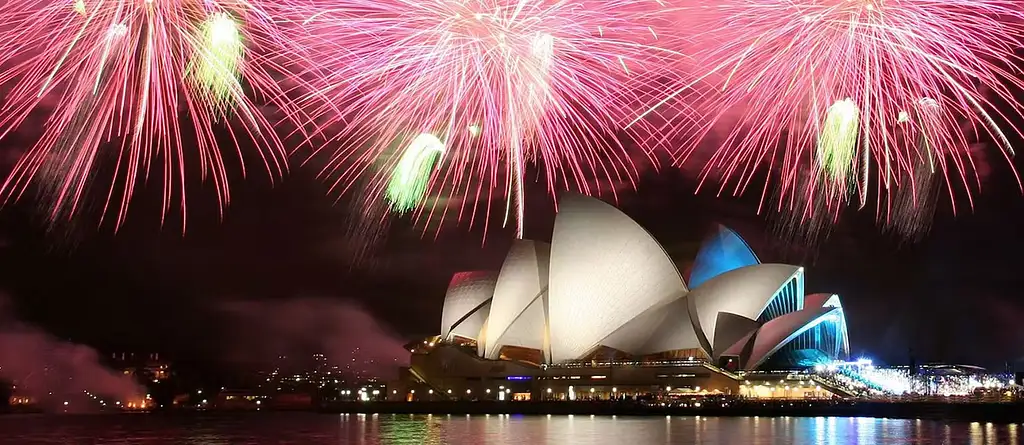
point(721, 253)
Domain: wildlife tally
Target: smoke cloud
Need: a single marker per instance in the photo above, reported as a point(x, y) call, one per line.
point(59, 376)
point(288, 333)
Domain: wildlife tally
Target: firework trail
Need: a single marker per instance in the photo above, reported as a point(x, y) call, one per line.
point(808, 218)
point(124, 81)
point(863, 81)
point(506, 84)
point(412, 174)
point(912, 205)
point(366, 229)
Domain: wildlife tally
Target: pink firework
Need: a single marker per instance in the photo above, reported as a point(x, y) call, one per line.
point(139, 86)
point(503, 84)
point(869, 94)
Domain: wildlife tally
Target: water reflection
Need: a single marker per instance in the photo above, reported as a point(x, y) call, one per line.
point(395, 429)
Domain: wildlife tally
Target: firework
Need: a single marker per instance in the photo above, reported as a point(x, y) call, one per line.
point(412, 174)
point(875, 85)
point(139, 85)
point(837, 144)
point(216, 60)
point(505, 83)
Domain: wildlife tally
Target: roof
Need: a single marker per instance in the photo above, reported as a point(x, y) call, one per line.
point(522, 282)
point(605, 282)
point(467, 293)
point(722, 252)
point(745, 292)
point(605, 270)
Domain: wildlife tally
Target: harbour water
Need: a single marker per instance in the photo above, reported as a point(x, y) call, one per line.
point(396, 429)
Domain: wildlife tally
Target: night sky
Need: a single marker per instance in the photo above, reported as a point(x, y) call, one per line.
point(952, 297)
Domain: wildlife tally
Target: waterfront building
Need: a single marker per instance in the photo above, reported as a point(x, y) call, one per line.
point(604, 312)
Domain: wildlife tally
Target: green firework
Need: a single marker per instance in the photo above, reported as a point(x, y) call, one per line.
point(837, 143)
point(411, 176)
point(218, 58)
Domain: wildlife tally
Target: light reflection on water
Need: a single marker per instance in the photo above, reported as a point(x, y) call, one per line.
point(400, 429)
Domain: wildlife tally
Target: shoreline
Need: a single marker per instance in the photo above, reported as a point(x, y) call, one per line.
point(980, 412)
point(1000, 413)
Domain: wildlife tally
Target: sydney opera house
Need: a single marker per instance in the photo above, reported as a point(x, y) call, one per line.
point(603, 309)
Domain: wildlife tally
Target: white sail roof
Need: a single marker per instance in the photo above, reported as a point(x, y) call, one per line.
point(605, 270)
point(463, 313)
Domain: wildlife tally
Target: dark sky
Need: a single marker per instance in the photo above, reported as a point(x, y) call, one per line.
point(954, 296)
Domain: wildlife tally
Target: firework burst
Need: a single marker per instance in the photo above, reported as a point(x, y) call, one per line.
point(142, 82)
point(855, 90)
point(502, 84)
